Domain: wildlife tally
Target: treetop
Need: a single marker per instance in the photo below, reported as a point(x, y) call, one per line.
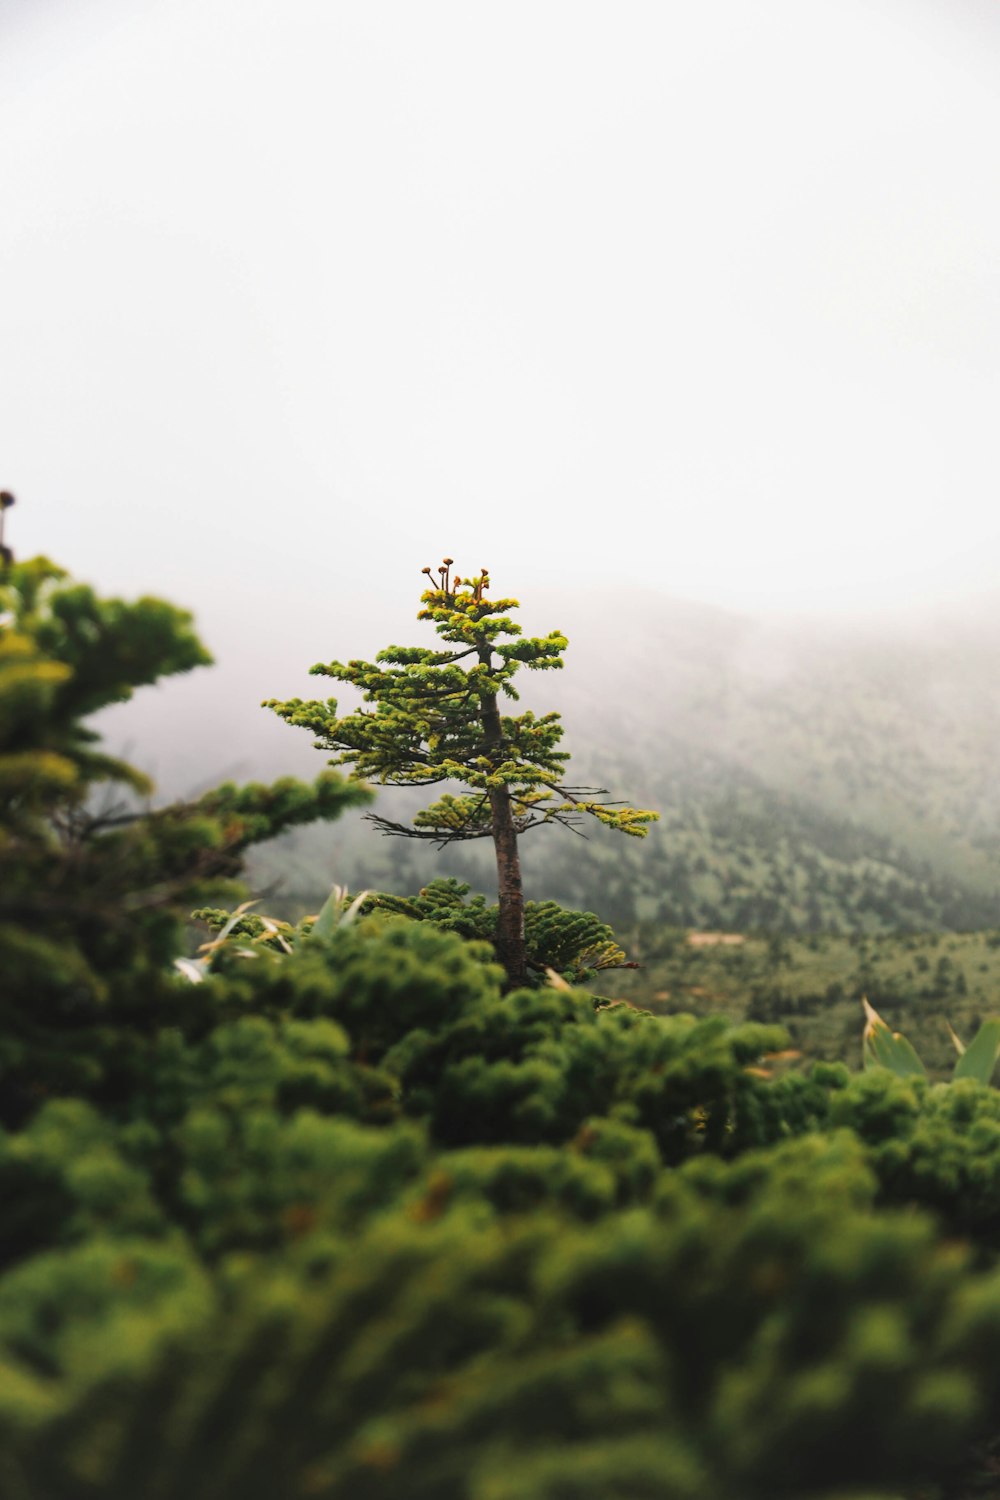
point(436, 719)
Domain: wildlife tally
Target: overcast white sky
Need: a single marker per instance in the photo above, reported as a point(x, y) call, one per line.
point(297, 295)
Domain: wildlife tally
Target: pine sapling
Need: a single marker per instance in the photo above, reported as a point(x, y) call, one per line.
point(436, 719)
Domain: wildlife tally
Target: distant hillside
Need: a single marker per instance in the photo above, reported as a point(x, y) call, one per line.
point(813, 985)
point(736, 852)
point(809, 777)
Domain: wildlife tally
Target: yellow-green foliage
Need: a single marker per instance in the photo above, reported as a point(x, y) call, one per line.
point(427, 729)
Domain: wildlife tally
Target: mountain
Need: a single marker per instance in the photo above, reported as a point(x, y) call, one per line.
point(836, 777)
point(810, 777)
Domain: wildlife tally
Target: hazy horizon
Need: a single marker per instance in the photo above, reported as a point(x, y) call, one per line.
point(699, 300)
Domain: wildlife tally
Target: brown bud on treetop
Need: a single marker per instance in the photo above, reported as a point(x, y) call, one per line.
point(6, 499)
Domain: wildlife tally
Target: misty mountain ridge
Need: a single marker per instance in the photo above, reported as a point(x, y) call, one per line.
point(810, 775)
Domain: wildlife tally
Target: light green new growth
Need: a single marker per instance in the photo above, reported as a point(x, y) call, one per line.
point(881, 1047)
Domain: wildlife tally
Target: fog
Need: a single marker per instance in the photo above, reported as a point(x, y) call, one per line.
point(297, 297)
point(684, 319)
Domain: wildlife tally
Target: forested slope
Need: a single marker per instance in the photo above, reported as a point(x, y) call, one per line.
point(808, 777)
point(807, 780)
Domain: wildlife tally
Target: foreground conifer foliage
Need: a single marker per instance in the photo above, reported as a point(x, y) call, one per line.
point(352, 1217)
point(94, 890)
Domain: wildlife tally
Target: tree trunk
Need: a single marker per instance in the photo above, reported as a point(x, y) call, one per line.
point(510, 892)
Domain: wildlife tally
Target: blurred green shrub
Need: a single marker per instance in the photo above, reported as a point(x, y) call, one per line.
point(343, 1219)
point(95, 886)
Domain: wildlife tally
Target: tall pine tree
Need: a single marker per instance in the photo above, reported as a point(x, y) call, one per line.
point(437, 719)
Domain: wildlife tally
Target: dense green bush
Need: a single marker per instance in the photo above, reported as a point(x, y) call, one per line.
point(95, 888)
point(345, 1219)
point(576, 945)
point(754, 1328)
